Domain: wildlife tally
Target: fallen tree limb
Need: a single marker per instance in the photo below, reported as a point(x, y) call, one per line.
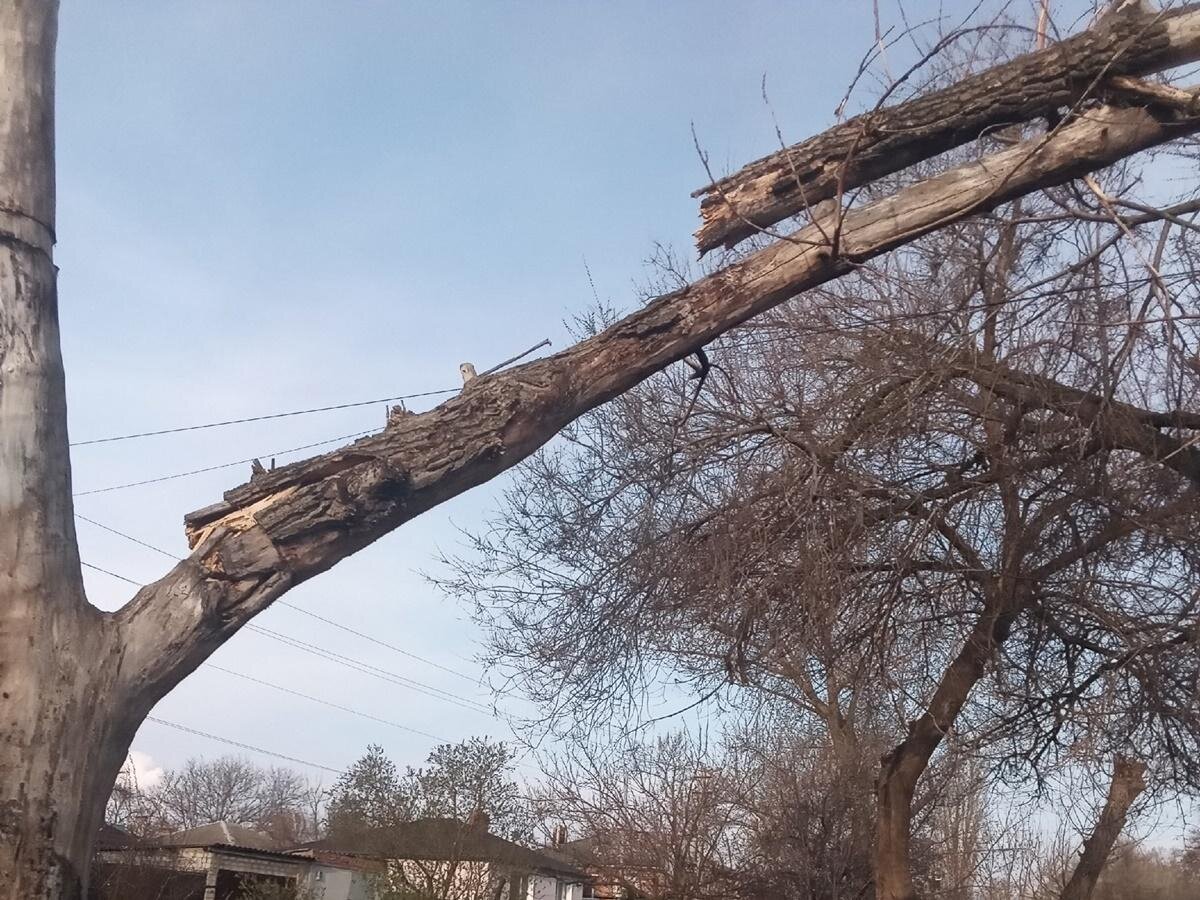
point(1117, 425)
point(292, 523)
point(888, 140)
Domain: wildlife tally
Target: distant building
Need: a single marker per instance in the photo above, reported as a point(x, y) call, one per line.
point(220, 858)
point(617, 867)
point(451, 860)
point(439, 859)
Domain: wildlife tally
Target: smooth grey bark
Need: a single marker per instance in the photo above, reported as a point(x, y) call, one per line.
point(57, 729)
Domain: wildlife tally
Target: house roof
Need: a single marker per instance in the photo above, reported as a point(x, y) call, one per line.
point(114, 837)
point(444, 839)
point(222, 833)
point(606, 851)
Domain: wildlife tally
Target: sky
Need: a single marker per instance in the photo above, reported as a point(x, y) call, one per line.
point(271, 206)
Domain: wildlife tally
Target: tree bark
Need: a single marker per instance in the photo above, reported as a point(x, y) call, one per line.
point(888, 140)
point(1117, 425)
point(57, 720)
point(75, 683)
point(1127, 784)
point(299, 520)
point(904, 765)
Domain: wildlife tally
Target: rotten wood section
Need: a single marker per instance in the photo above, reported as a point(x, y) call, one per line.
point(890, 139)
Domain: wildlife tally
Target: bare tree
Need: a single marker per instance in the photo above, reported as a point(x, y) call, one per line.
point(961, 481)
point(75, 683)
point(276, 801)
point(655, 819)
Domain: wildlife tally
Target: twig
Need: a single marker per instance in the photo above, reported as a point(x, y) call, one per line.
point(499, 366)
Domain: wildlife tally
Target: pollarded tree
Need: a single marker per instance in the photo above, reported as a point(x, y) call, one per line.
point(75, 682)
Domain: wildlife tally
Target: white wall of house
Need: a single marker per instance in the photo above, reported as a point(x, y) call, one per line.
point(543, 887)
point(468, 879)
point(336, 883)
point(548, 887)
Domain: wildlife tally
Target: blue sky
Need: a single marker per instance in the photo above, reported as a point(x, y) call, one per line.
point(267, 206)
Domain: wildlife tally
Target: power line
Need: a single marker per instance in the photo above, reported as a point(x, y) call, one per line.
point(113, 574)
point(368, 669)
point(329, 703)
point(303, 412)
point(233, 743)
point(292, 606)
point(262, 418)
point(227, 465)
point(374, 640)
point(348, 661)
point(128, 537)
point(303, 762)
point(292, 642)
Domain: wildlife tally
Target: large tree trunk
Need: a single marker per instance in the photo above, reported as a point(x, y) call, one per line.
point(55, 708)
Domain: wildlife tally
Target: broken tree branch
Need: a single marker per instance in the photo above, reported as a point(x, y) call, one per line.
point(888, 140)
point(1117, 424)
point(290, 524)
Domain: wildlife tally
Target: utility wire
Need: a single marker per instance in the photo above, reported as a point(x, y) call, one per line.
point(269, 684)
point(293, 759)
point(348, 661)
point(292, 606)
point(329, 703)
point(263, 418)
point(303, 412)
point(368, 669)
point(374, 640)
point(236, 462)
point(437, 693)
point(233, 743)
point(113, 574)
point(128, 537)
point(279, 603)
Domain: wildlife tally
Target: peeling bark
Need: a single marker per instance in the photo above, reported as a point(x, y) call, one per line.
point(888, 140)
point(1128, 782)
